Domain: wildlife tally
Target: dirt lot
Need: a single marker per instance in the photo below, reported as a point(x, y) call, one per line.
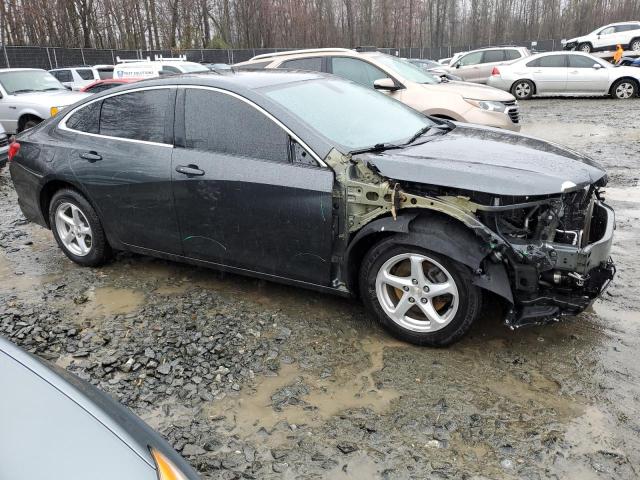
point(255, 380)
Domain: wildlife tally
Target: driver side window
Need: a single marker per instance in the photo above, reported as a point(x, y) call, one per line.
point(356, 70)
point(471, 59)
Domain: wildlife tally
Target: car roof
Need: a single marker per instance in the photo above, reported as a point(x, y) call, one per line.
point(22, 69)
point(621, 23)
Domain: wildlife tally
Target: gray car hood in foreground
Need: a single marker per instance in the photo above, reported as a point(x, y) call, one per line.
point(488, 160)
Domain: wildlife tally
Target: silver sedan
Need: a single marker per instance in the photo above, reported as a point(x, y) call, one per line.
point(565, 73)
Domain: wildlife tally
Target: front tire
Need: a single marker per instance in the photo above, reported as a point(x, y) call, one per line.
point(624, 89)
point(419, 296)
point(28, 122)
point(522, 89)
point(585, 47)
point(635, 45)
point(77, 229)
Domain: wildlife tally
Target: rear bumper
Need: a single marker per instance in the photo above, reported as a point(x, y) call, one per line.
point(580, 276)
point(27, 185)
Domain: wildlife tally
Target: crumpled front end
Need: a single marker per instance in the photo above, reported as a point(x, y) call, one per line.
point(557, 253)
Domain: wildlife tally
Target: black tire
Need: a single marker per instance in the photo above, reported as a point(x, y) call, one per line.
point(624, 88)
point(634, 46)
point(585, 47)
point(469, 296)
point(522, 89)
point(99, 250)
point(28, 123)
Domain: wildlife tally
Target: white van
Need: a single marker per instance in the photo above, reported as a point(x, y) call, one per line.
point(160, 66)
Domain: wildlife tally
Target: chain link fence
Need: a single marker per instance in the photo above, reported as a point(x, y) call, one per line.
point(56, 57)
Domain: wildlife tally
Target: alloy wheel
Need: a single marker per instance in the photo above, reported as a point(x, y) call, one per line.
point(586, 48)
point(523, 89)
point(417, 293)
point(635, 46)
point(73, 229)
point(625, 90)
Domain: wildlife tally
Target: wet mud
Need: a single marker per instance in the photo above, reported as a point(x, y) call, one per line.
point(250, 379)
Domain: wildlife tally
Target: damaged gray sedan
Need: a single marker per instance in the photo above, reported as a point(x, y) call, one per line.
point(315, 181)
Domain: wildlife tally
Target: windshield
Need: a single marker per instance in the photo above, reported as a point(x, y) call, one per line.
point(23, 81)
point(406, 69)
point(347, 114)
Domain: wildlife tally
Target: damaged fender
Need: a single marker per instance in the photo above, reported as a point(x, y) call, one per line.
point(447, 237)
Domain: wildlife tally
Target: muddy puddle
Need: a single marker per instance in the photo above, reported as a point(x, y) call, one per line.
point(312, 400)
point(99, 302)
point(13, 279)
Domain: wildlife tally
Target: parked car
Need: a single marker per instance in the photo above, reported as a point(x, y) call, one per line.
point(77, 77)
point(311, 180)
point(29, 95)
point(399, 79)
point(218, 67)
point(434, 68)
point(626, 34)
point(476, 65)
point(55, 425)
point(106, 84)
point(629, 62)
point(155, 68)
point(4, 147)
point(565, 73)
point(450, 60)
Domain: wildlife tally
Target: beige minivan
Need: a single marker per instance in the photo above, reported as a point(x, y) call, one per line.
point(398, 78)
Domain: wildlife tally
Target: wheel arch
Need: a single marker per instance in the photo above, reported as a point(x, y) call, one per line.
point(433, 231)
point(26, 115)
point(630, 79)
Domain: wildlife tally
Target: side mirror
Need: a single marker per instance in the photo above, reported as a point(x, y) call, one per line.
point(385, 84)
point(597, 66)
point(68, 87)
point(458, 65)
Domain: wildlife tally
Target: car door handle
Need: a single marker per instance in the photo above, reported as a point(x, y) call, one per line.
point(191, 170)
point(91, 156)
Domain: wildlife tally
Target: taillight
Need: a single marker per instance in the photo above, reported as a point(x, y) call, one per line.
point(495, 71)
point(14, 148)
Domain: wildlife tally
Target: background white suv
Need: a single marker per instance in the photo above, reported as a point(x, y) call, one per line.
point(476, 65)
point(77, 77)
point(626, 34)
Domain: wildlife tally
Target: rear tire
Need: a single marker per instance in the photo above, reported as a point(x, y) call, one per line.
point(418, 296)
point(624, 89)
point(77, 229)
point(634, 46)
point(585, 47)
point(522, 89)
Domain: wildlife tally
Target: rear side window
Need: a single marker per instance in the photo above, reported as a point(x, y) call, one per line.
point(220, 123)
point(85, 74)
point(491, 56)
point(137, 115)
point(553, 61)
point(313, 64)
point(87, 119)
point(356, 70)
point(63, 75)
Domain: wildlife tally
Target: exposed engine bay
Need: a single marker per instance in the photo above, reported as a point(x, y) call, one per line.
point(554, 248)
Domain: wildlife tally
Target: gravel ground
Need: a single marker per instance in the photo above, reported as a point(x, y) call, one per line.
point(255, 380)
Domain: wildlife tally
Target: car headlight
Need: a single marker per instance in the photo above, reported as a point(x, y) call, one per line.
point(166, 470)
point(487, 105)
point(53, 111)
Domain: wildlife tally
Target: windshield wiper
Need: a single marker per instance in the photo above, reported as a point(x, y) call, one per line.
point(378, 147)
point(23, 90)
point(49, 89)
point(419, 133)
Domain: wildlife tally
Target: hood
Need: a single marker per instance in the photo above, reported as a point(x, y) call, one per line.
point(488, 160)
point(59, 98)
point(476, 91)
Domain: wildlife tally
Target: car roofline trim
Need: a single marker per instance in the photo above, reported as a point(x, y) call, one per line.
point(62, 125)
point(264, 112)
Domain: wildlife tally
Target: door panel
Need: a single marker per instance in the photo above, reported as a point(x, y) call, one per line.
point(583, 78)
point(239, 198)
point(550, 74)
point(262, 216)
point(131, 186)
